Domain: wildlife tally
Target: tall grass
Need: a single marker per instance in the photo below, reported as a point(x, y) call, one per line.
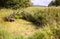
point(48, 32)
point(42, 15)
point(48, 17)
point(5, 34)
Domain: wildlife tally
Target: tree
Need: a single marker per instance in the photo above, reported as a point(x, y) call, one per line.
point(55, 3)
point(15, 3)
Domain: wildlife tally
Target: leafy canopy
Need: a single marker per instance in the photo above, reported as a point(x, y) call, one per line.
point(55, 3)
point(15, 3)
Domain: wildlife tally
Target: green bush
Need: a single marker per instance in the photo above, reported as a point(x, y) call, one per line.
point(56, 31)
point(36, 18)
point(48, 32)
point(18, 16)
point(37, 36)
point(48, 15)
point(20, 37)
point(55, 3)
point(15, 3)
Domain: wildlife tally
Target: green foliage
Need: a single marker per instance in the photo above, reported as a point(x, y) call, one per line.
point(56, 31)
point(18, 16)
point(20, 37)
point(48, 32)
point(44, 15)
point(49, 14)
point(38, 36)
point(36, 18)
point(55, 3)
point(15, 3)
point(39, 16)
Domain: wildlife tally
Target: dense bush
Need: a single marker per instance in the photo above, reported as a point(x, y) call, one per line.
point(39, 16)
point(36, 18)
point(20, 37)
point(42, 16)
point(48, 32)
point(18, 15)
point(37, 35)
point(15, 3)
point(55, 3)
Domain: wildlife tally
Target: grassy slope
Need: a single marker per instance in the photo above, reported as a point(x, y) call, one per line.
point(19, 26)
point(24, 27)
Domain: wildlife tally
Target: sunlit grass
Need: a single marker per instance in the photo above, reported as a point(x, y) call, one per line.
point(19, 26)
point(27, 29)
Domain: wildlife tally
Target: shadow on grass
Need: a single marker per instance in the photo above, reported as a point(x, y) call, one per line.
point(36, 19)
point(36, 24)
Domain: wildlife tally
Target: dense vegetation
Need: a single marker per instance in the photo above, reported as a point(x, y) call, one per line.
point(40, 16)
point(15, 3)
point(30, 22)
point(50, 16)
point(55, 3)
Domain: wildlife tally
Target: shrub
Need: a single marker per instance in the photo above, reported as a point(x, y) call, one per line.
point(48, 15)
point(37, 36)
point(15, 15)
point(56, 31)
point(36, 18)
point(47, 32)
point(20, 37)
point(15, 3)
point(18, 16)
point(55, 3)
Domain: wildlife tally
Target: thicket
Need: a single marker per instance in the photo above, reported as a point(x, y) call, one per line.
point(15, 3)
point(55, 3)
point(40, 16)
